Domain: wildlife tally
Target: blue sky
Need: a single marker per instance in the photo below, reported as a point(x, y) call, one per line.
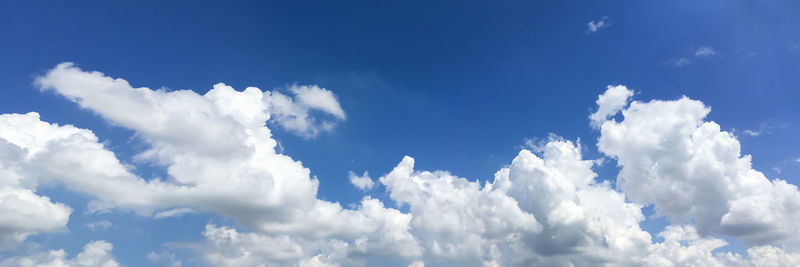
point(457, 86)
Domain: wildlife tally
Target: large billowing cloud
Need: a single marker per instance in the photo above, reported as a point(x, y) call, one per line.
point(22, 211)
point(693, 171)
point(544, 208)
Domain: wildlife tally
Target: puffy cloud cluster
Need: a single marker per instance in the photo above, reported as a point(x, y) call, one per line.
point(94, 254)
point(294, 115)
point(219, 156)
point(544, 208)
point(610, 103)
point(22, 211)
point(683, 246)
point(693, 171)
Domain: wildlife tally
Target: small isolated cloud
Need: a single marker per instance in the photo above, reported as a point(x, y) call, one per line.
point(682, 62)
point(594, 26)
point(701, 52)
point(99, 225)
point(751, 133)
point(766, 127)
point(363, 182)
point(704, 51)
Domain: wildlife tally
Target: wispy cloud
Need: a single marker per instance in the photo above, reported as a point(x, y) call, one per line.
point(701, 52)
point(594, 26)
point(766, 127)
point(682, 62)
point(704, 51)
point(99, 225)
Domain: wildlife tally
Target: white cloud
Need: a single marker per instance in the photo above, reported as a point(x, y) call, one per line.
point(363, 182)
point(545, 208)
point(751, 132)
point(704, 51)
point(682, 62)
point(453, 218)
point(584, 222)
point(230, 166)
point(228, 247)
point(594, 26)
point(94, 254)
point(692, 171)
point(294, 114)
point(22, 211)
point(766, 127)
point(318, 98)
point(99, 225)
point(176, 212)
point(244, 178)
point(610, 103)
point(683, 246)
point(164, 259)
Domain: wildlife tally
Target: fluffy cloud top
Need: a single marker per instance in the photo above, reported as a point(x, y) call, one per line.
point(609, 103)
point(363, 182)
point(693, 171)
point(544, 208)
point(94, 254)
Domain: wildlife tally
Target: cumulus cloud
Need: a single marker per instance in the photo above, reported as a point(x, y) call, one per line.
point(456, 219)
point(610, 103)
point(229, 167)
point(683, 246)
point(22, 211)
point(363, 182)
point(294, 114)
point(94, 254)
point(547, 207)
point(693, 171)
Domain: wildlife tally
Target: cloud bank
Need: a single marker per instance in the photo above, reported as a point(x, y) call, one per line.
point(546, 207)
